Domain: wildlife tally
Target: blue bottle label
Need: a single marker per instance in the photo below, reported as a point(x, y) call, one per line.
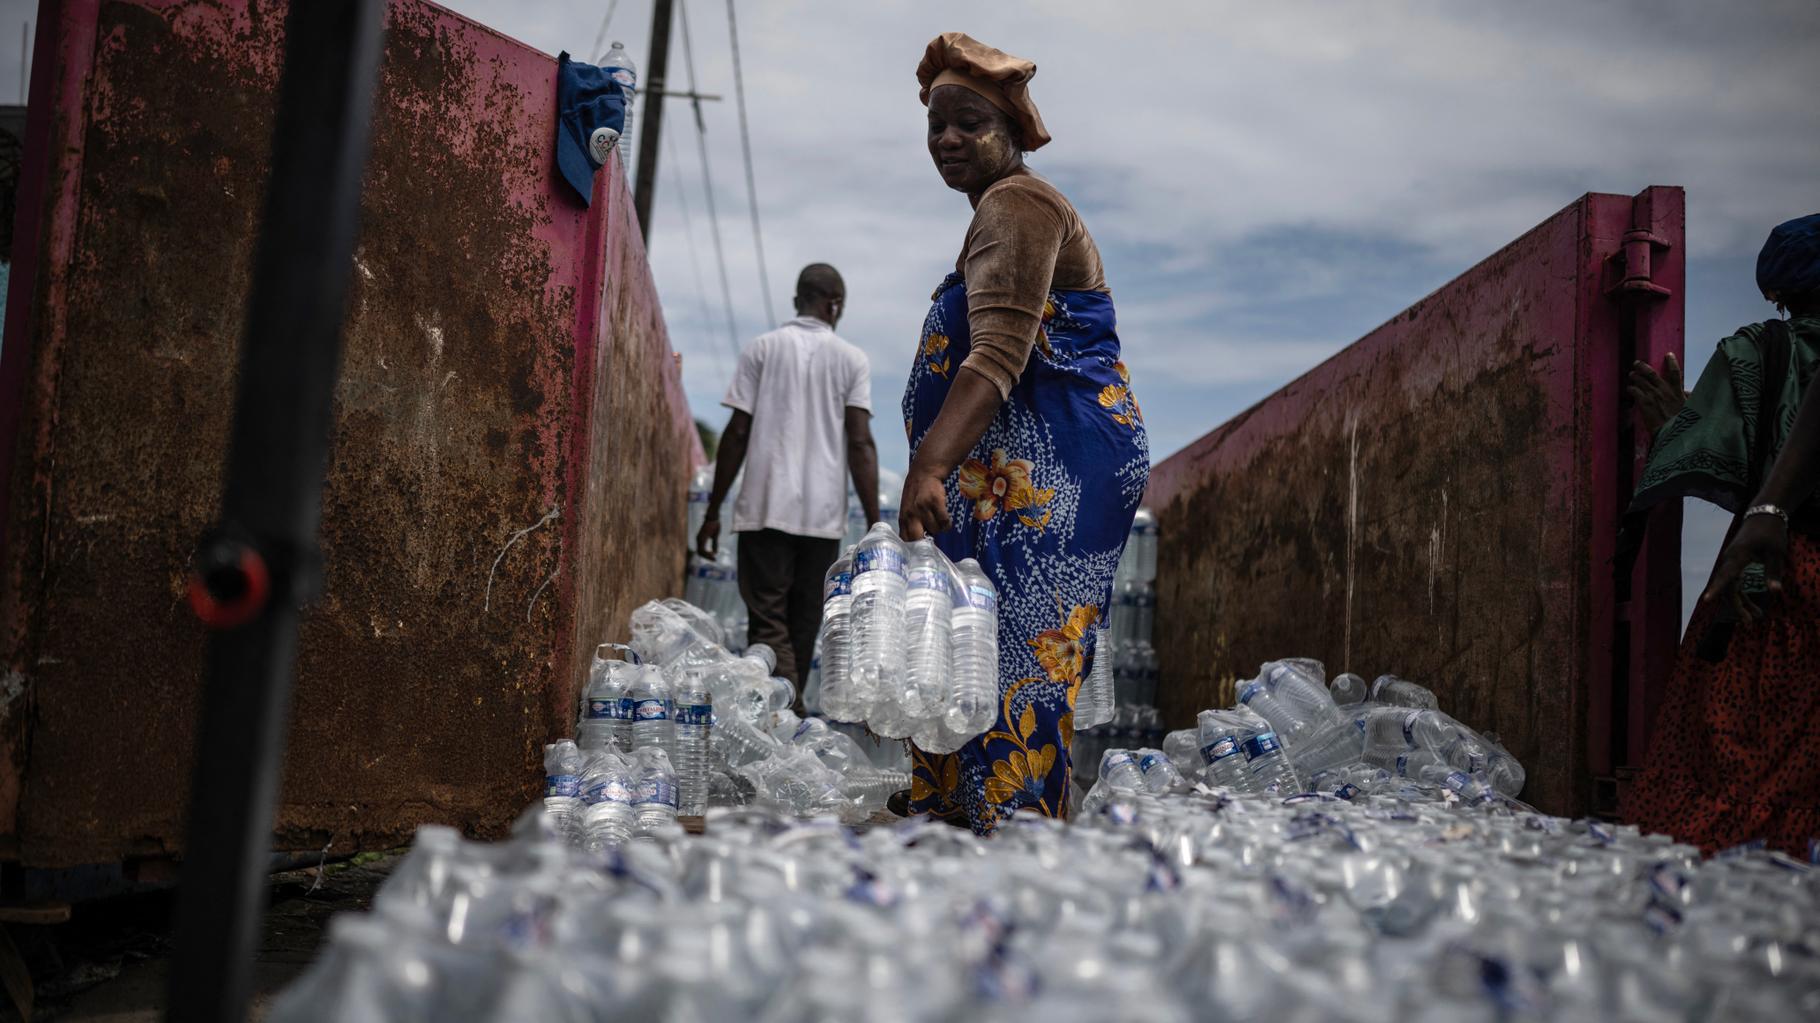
point(1261, 745)
point(878, 559)
point(651, 710)
point(840, 585)
point(562, 785)
point(603, 710)
point(625, 710)
point(928, 577)
point(1409, 724)
point(1148, 761)
point(694, 713)
point(1250, 690)
point(657, 790)
point(979, 595)
point(1221, 748)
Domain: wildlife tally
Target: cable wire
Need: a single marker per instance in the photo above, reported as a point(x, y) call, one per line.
point(701, 290)
point(745, 143)
point(707, 180)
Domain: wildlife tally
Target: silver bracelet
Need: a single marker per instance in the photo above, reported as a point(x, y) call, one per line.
point(1767, 509)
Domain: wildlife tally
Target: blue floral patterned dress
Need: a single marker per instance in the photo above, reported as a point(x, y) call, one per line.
point(1044, 503)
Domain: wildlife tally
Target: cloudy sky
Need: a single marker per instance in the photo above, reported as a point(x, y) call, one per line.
point(1267, 182)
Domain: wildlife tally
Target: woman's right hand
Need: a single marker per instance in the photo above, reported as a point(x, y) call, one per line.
point(923, 510)
point(1658, 396)
point(1761, 540)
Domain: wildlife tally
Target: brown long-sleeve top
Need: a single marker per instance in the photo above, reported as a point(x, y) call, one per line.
point(1025, 240)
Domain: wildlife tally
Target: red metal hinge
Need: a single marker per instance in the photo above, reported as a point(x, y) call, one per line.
point(1627, 270)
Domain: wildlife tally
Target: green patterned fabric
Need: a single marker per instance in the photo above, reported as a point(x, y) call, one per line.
point(1706, 451)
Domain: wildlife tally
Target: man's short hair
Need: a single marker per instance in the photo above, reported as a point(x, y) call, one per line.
point(819, 281)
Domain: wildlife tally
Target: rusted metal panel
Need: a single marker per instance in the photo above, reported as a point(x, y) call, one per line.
point(1437, 500)
point(510, 451)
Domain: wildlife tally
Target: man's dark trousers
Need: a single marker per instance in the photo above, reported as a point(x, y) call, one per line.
point(780, 578)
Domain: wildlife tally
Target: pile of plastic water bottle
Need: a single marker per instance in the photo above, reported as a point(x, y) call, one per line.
point(1293, 733)
point(909, 642)
point(1186, 903)
point(1117, 705)
point(679, 724)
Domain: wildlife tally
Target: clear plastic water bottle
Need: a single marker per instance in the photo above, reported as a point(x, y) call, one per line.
point(653, 712)
point(974, 705)
point(1144, 537)
point(694, 726)
point(835, 645)
point(879, 584)
point(562, 764)
point(607, 793)
point(927, 627)
point(656, 803)
point(1119, 769)
point(1347, 689)
point(1403, 693)
point(1124, 617)
point(1333, 745)
point(606, 720)
point(1270, 767)
point(1160, 775)
point(1143, 613)
point(1392, 731)
point(1097, 699)
point(619, 64)
point(1222, 737)
point(1183, 748)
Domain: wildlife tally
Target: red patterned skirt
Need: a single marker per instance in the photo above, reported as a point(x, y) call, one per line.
point(1735, 751)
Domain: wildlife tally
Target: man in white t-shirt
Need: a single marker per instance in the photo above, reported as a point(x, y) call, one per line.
point(802, 422)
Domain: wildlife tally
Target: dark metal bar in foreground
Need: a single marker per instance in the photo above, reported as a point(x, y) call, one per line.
point(260, 565)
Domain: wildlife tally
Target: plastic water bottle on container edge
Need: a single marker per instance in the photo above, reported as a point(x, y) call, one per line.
point(694, 722)
point(835, 645)
point(975, 637)
point(879, 583)
point(653, 712)
point(1403, 693)
point(927, 627)
point(562, 764)
point(619, 65)
point(656, 803)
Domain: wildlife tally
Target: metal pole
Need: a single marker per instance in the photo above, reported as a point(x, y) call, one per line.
point(653, 116)
point(259, 565)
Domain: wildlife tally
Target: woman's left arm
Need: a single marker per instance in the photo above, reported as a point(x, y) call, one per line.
point(1010, 262)
point(971, 403)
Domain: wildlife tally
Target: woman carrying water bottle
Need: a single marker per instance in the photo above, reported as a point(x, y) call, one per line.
point(1028, 451)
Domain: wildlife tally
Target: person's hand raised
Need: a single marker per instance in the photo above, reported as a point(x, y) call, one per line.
point(1658, 396)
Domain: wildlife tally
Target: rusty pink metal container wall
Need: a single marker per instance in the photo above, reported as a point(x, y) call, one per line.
point(511, 446)
point(1441, 499)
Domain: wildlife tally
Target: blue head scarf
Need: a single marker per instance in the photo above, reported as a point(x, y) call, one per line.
point(1790, 261)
